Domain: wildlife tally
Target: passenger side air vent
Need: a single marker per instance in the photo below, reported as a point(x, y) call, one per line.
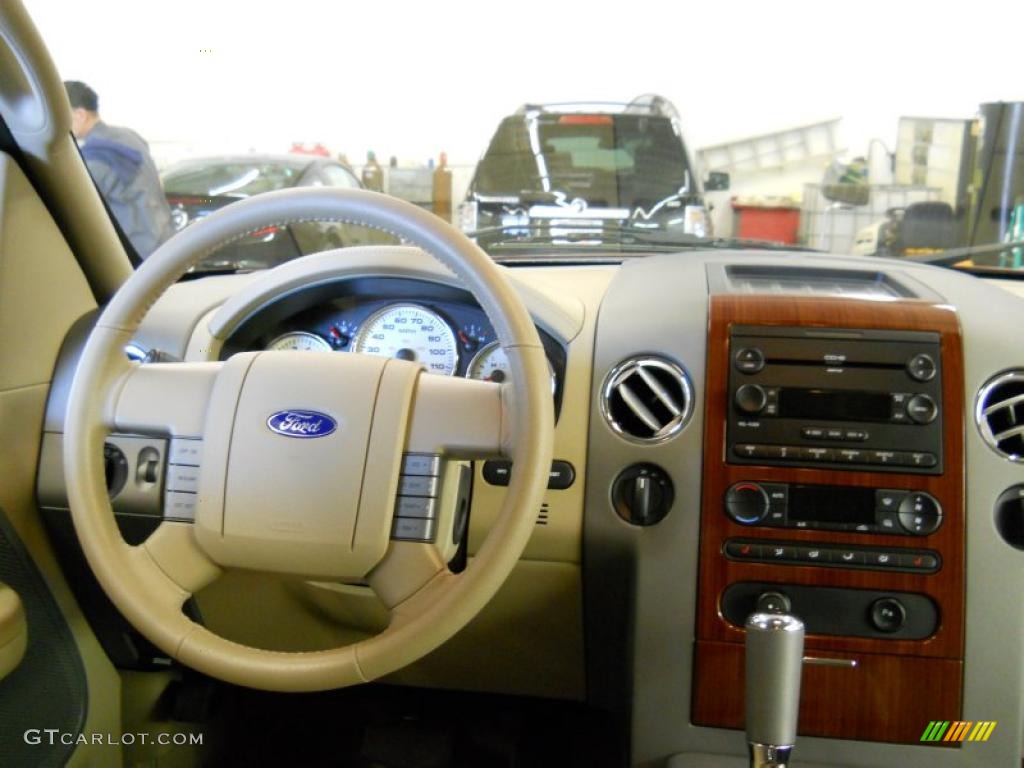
point(1000, 414)
point(647, 399)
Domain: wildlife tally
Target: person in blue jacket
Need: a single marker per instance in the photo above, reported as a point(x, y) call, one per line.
point(124, 171)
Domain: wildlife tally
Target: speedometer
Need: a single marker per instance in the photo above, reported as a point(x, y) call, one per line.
point(409, 332)
point(300, 341)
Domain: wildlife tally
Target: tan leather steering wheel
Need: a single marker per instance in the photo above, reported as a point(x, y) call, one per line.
point(301, 456)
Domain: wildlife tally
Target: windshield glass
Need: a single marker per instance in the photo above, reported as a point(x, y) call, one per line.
point(238, 179)
point(550, 130)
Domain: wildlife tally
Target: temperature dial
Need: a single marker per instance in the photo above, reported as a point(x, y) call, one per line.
point(747, 503)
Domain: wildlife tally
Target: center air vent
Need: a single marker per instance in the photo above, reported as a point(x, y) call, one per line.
point(647, 399)
point(1000, 414)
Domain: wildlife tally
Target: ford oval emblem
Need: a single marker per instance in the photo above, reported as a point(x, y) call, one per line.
point(295, 423)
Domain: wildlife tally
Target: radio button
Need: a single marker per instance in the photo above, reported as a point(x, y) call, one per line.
point(851, 456)
point(749, 360)
point(834, 434)
point(921, 367)
point(921, 459)
point(899, 408)
point(819, 454)
point(855, 435)
point(812, 433)
point(882, 457)
point(749, 451)
point(922, 409)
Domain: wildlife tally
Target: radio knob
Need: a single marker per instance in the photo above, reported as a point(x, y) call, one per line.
point(751, 398)
point(922, 409)
point(747, 503)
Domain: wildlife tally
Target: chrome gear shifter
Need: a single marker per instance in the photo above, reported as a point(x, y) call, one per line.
point(774, 656)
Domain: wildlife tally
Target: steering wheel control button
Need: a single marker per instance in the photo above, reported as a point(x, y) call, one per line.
point(180, 506)
point(921, 367)
point(749, 360)
point(920, 514)
point(115, 466)
point(747, 503)
point(751, 399)
point(888, 615)
point(642, 494)
point(418, 485)
point(414, 529)
point(185, 451)
point(416, 506)
point(922, 409)
point(181, 477)
point(421, 464)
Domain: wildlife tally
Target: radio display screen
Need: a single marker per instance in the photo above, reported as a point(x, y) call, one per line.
point(834, 405)
point(828, 504)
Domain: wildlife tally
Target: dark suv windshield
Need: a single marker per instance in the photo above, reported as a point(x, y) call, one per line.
point(608, 160)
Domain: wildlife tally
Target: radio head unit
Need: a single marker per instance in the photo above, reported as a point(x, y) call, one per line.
point(844, 399)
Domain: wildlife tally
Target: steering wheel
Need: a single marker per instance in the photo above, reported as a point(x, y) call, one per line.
point(300, 458)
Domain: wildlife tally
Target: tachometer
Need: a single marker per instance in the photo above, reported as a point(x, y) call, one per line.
point(299, 341)
point(409, 332)
point(491, 364)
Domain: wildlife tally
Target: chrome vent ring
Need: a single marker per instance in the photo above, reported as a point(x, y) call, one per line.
point(999, 414)
point(647, 399)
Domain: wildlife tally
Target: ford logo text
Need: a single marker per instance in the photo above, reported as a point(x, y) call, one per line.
point(294, 423)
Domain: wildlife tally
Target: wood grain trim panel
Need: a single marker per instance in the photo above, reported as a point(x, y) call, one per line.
point(718, 694)
point(885, 697)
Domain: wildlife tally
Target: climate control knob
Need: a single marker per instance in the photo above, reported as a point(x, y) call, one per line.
point(747, 503)
point(751, 398)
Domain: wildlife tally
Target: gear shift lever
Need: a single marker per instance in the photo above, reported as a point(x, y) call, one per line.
point(774, 656)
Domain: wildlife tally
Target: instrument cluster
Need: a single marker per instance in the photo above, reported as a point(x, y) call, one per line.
point(446, 336)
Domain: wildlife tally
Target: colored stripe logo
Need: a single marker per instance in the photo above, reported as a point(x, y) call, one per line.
point(958, 730)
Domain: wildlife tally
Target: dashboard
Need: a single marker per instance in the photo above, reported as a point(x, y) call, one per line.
point(733, 424)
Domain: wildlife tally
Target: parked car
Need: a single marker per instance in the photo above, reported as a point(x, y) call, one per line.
point(195, 188)
point(621, 164)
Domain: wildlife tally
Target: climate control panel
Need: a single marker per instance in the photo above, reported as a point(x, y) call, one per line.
point(833, 508)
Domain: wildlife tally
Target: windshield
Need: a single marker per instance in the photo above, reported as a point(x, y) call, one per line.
point(553, 130)
point(236, 179)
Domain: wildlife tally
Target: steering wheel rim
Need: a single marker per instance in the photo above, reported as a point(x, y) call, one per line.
point(150, 582)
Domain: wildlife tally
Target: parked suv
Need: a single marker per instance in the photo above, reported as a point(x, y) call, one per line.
point(606, 165)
